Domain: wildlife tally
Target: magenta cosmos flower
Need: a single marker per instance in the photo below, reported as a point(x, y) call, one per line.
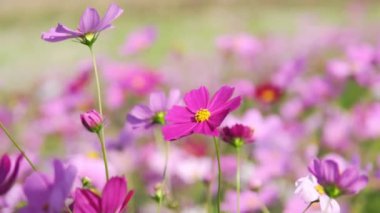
point(200, 115)
point(114, 199)
point(90, 26)
point(237, 135)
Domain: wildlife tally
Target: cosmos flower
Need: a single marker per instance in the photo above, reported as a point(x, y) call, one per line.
point(7, 179)
point(89, 27)
point(146, 116)
point(328, 182)
point(200, 115)
point(267, 93)
point(114, 198)
point(44, 195)
point(237, 135)
point(92, 120)
point(139, 40)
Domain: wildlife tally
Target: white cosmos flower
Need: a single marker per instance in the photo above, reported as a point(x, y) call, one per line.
point(310, 191)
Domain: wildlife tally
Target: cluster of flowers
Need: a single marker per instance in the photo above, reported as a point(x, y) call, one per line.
point(298, 115)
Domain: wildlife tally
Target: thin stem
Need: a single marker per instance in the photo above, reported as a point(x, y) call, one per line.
point(104, 153)
point(101, 132)
point(17, 146)
point(216, 143)
point(167, 147)
point(238, 179)
point(97, 81)
point(264, 209)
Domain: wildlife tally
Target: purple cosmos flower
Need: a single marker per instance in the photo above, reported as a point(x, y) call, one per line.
point(114, 199)
point(237, 135)
point(200, 115)
point(44, 195)
point(90, 26)
point(336, 181)
point(92, 120)
point(7, 179)
point(147, 116)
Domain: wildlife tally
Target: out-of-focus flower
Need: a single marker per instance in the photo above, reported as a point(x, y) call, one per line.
point(92, 120)
point(267, 93)
point(90, 26)
point(8, 178)
point(241, 45)
point(139, 40)
point(237, 135)
point(143, 116)
point(44, 195)
point(114, 198)
point(329, 181)
point(200, 115)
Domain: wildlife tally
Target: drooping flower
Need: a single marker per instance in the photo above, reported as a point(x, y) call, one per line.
point(237, 135)
point(114, 198)
point(143, 116)
point(89, 27)
point(267, 93)
point(92, 120)
point(200, 115)
point(327, 182)
point(7, 179)
point(44, 195)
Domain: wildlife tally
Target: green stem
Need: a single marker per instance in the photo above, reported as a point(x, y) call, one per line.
point(238, 179)
point(216, 143)
point(100, 135)
point(264, 209)
point(97, 81)
point(17, 146)
point(101, 132)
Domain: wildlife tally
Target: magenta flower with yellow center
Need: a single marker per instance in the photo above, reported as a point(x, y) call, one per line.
point(201, 114)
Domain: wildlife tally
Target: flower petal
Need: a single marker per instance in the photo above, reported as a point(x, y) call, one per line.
point(197, 99)
point(5, 186)
point(175, 131)
point(113, 12)
point(351, 181)
point(179, 114)
point(89, 21)
point(205, 129)
point(329, 205)
point(86, 201)
point(59, 33)
point(157, 102)
point(221, 97)
point(5, 166)
point(113, 195)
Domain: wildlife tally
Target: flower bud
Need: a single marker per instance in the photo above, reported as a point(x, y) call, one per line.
point(92, 120)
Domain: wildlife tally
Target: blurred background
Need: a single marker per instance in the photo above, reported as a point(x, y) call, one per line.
point(189, 25)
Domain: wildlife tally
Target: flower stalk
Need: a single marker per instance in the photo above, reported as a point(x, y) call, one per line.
point(216, 143)
point(17, 146)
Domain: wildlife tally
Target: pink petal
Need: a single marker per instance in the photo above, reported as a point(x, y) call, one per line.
point(89, 21)
point(86, 201)
point(197, 99)
point(176, 131)
point(113, 195)
point(179, 114)
point(221, 97)
point(113, 12)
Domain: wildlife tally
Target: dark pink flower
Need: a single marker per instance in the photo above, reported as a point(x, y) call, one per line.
point(267, 93)
point(200, 115)
point(90, 26)
point(92, 120)
point(237, 135)
point(7, 179)
point(114, 198)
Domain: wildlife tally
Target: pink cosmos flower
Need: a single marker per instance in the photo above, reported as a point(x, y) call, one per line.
point(90, 26)
point(140, 40)
point(114, 198)
point(200, 115)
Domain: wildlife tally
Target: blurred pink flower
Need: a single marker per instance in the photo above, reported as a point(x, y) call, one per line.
point(139, 40)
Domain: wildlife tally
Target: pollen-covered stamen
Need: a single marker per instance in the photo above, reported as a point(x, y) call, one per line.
point(89, 36)
point(319, 189)
point(202, 115)
point(268, 95)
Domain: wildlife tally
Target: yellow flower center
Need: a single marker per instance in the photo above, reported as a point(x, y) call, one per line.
point(268, 95)
point(89, 36)
point(319, 189)
point(92, 155)
point(202, 115)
